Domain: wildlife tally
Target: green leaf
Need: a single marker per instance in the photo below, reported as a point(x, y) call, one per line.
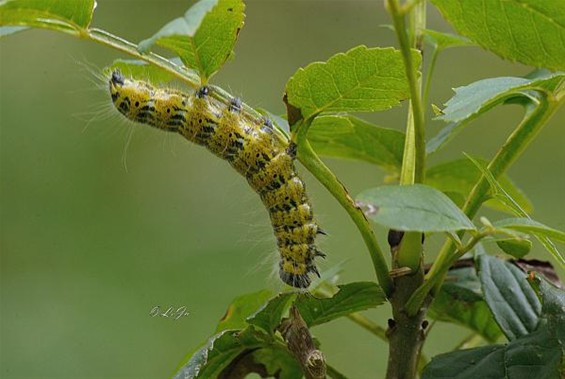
point(352, 138)
point(528, 31)
point(504, 197)
point(497, 191)
point(139, 69)
point(541, 232)
point(443, 41)
point(236, 339)
point(467, 364)
point(329, 276)
point(553, 304)
point(511, 299)
point(477, 98)
point(544, 73)
point(7, 30)
point(459, 177)
point(516, 247)
point(204, 37)
point(460, 300)
point(536, 355)
point(269, 316)
point(278, 363)
point(351, 297)
point(220, 351)
point(417, 208)
point(242, 307)
point(527, 225)
point(68, 16)
point(360, 80)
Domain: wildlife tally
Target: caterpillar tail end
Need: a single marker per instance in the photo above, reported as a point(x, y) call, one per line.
point(294, 279)
point(298, 276)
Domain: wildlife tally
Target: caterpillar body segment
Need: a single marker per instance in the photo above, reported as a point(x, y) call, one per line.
point(251, 146)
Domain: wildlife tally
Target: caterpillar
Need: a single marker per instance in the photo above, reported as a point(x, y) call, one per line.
point(252, 147)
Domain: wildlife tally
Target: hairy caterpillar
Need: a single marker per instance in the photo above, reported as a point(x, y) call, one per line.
point(250, 144)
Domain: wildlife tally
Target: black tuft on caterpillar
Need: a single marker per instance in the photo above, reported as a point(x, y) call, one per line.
point(251, 145)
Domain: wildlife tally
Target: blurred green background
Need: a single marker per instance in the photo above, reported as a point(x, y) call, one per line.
point(89, 247)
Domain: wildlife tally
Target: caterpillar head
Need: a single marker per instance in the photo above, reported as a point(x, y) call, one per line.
point(129, 97)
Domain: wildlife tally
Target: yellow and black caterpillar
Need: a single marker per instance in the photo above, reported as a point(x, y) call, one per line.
point(250, 144)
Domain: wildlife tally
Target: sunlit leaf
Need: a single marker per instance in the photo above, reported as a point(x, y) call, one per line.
point(269, 316)
point(443, 41)
point(68, 16)
point(351, 297)
point(242, 307)
point(360, 80)
point(204, 37)
point(528, 31)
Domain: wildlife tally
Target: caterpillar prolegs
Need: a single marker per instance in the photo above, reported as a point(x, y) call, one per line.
point(250, 144)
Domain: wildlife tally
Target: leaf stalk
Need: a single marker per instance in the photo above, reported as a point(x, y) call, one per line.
point(308, 157)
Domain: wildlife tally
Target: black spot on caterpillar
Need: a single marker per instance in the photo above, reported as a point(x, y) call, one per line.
point(251, 145)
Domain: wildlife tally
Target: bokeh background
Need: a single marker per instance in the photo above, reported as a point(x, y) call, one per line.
point(89, 245)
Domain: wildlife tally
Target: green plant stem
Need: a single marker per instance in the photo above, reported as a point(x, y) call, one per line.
point(406, 332)
point(187, 76)
point(410, 4)
point(413, 161)
point(429, 75)
point(543, 108)
point(105, 38)
point(314, 164)
point(379, 332)
point(418, 16)
point(368, 325)
point(413, 165)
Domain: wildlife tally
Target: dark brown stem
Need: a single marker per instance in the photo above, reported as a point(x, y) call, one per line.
point(300, 343)
point(405, 333)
